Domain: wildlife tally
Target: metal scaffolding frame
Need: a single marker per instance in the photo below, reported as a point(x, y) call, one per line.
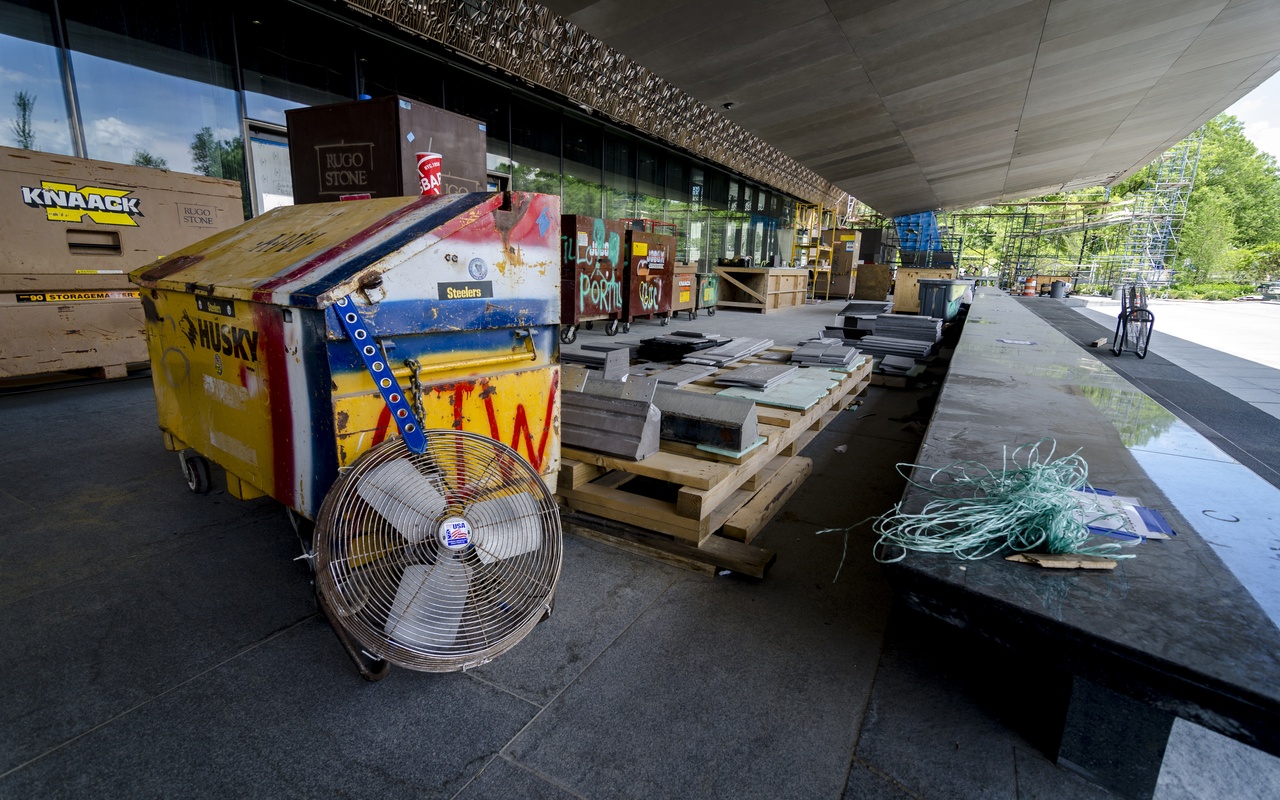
point(1090, 241)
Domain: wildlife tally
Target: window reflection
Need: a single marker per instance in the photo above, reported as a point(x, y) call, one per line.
point(153, 90)
point(284, 72)
point(33, 110)
point(535, 148)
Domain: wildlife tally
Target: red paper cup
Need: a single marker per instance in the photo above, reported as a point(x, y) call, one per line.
point(429, 172)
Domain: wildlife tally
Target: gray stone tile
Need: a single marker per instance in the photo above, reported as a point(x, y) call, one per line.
point(85, 651)
point(503, 779)
point(288, 719)
point(1238, 771)
point(601, 591)
point(728, 688)
point(1271, 408)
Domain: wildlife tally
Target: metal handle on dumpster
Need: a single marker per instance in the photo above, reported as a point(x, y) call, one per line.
point(383, 375)
point(529, 354)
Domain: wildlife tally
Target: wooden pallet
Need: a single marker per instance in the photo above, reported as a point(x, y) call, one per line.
point(692, 497)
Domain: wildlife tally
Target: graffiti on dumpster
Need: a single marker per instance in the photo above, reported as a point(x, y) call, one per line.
point(462, 396)
point(599, 284)
point(650, 293)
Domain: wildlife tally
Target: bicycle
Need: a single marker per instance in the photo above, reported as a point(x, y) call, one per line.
point(1135, 323)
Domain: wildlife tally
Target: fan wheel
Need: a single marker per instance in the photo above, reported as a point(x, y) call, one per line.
point(442, 560)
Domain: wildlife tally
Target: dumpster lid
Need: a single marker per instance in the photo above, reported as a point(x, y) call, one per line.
point(309, 255)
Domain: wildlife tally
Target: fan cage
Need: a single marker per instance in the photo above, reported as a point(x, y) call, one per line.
point(383, 565)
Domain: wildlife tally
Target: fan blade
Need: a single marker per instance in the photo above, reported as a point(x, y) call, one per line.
point(403, 497)
point(427, 610)
point(500, 528)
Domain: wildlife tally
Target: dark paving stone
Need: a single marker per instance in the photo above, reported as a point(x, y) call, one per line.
point(867, 784)
point(288, 719)
point(601, 591)
point(82, 652)
point(728, 688)
point(1041, 779)
point(503, 779)
point(948, 710)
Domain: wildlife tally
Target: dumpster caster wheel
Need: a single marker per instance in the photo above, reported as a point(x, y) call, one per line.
point(611, 328)
point(569, 334)
point(666, 320)
point(195, 468)
point(626, 327)
point(693, 314)
point(711, 312)
point(589, 326)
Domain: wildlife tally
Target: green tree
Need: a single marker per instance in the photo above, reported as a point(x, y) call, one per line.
point(217, 158)
point(23, 103)
point(222, 158)
point(1246, 178)
point(141, 158)
point(1207, 236)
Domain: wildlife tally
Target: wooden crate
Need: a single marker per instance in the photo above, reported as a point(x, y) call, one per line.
point(761, 289)
point(906, 286)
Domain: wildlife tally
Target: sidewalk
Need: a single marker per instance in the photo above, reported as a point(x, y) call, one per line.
point(1232, 345)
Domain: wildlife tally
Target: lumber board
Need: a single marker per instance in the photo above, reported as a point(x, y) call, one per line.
point(752, 518)
point(717, 551)
point(575, 473)
point(671, 465)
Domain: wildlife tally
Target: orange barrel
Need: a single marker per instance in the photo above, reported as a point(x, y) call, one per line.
point(1029, 289)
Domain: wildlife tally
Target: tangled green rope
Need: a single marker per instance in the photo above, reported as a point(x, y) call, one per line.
point(1031, 504)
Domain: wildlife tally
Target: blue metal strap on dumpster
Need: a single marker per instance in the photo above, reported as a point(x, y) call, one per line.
point(375, 361)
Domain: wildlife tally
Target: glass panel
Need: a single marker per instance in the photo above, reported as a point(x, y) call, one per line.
point(619, 177)
point(535, 147)
point(678, 205)
point(34, 115)
point(282, 71)
point(651, 177)
point(486, 101)
point(387, 68)
point(155, 87)
point(583, 160)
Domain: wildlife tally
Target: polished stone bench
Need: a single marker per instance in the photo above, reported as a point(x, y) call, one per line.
point(1186, 629)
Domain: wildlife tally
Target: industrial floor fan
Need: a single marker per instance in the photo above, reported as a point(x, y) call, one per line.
point(436, 561)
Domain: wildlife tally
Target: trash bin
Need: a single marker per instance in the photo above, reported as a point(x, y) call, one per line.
point(254, 370)
point(366, 364)
point(590, 274)
point(683, 295)
point(940, 298)
point(708, 292)
point(649, 277)
point(1058, 290)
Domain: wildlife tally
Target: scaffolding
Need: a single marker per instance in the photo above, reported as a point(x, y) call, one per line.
point(1096, 241)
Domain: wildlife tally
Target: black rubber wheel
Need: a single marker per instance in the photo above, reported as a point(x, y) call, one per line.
point(569, 334)
point(711, 312)
point(666, 321)
point(611, 327)
point(626, 327)
point(195, 468)
point(693, 314)
point(589, 326)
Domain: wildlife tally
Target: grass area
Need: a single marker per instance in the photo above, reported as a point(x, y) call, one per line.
point(1210, 291)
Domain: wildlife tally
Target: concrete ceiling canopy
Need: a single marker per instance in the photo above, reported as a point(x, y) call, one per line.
point(912, 105)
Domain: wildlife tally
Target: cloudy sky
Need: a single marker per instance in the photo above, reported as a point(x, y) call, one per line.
point(1260, 112)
